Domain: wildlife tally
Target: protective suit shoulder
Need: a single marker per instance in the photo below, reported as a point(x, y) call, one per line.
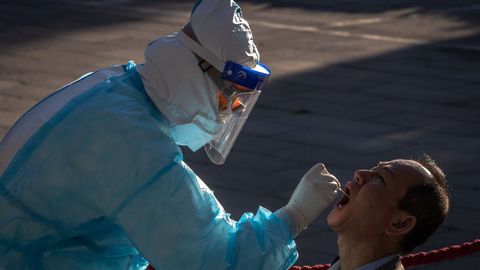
point(100, 146)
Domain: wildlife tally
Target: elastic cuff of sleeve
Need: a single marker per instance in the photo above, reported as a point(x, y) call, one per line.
point(294, 222)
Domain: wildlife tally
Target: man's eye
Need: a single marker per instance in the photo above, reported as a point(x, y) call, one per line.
point(381, 178)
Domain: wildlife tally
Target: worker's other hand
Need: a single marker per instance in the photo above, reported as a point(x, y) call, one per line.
point(315, 192)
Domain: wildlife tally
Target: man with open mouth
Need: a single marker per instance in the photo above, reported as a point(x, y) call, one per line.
point(386, 211)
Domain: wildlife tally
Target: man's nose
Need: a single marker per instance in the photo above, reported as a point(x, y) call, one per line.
point(362, 176)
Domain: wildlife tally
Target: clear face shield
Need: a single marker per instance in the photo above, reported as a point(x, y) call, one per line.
point(236, 102)
point(241, 87)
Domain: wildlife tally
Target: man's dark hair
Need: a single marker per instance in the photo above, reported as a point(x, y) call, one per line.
point(428, 202)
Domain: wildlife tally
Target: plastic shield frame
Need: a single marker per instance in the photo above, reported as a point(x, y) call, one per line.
point(218, 149)
point(232, 121)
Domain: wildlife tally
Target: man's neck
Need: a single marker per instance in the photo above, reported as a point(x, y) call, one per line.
point(354, 252)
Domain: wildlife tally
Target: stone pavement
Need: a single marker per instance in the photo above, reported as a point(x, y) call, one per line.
point(353, 82)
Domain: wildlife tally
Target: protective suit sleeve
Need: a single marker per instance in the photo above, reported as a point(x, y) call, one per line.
point(177, 223)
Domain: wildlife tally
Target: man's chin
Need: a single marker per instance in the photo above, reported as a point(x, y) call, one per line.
point(336, 217)
point(332, 218)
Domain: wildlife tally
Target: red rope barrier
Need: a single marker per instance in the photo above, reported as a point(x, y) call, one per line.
point(437, 255)
point(314, 267)
point(414, 259)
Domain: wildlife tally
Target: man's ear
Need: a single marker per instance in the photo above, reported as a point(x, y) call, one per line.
point(401, 224)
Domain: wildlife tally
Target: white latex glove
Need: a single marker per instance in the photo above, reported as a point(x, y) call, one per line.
point(317, 189)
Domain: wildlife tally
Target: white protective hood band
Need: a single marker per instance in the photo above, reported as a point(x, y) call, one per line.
point(200, 51)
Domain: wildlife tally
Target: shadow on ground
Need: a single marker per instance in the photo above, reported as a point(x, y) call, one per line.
point(442, 7)
point(20, 18)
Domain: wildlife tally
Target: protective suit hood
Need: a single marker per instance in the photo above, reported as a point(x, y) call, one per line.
point(179, 88)
point(220, 27)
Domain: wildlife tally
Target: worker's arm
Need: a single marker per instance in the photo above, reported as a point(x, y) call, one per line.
point(177, 223)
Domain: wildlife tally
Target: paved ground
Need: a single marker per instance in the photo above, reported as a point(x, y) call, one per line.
point(354, 82)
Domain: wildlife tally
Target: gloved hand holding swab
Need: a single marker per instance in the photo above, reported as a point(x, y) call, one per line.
point(316, 191)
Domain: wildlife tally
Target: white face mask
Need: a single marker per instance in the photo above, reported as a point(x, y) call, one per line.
point(197, 133)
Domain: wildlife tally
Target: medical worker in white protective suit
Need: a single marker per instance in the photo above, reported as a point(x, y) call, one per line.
point(92, 177)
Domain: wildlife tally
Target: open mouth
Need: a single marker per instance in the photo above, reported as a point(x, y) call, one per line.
point(345, 199)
